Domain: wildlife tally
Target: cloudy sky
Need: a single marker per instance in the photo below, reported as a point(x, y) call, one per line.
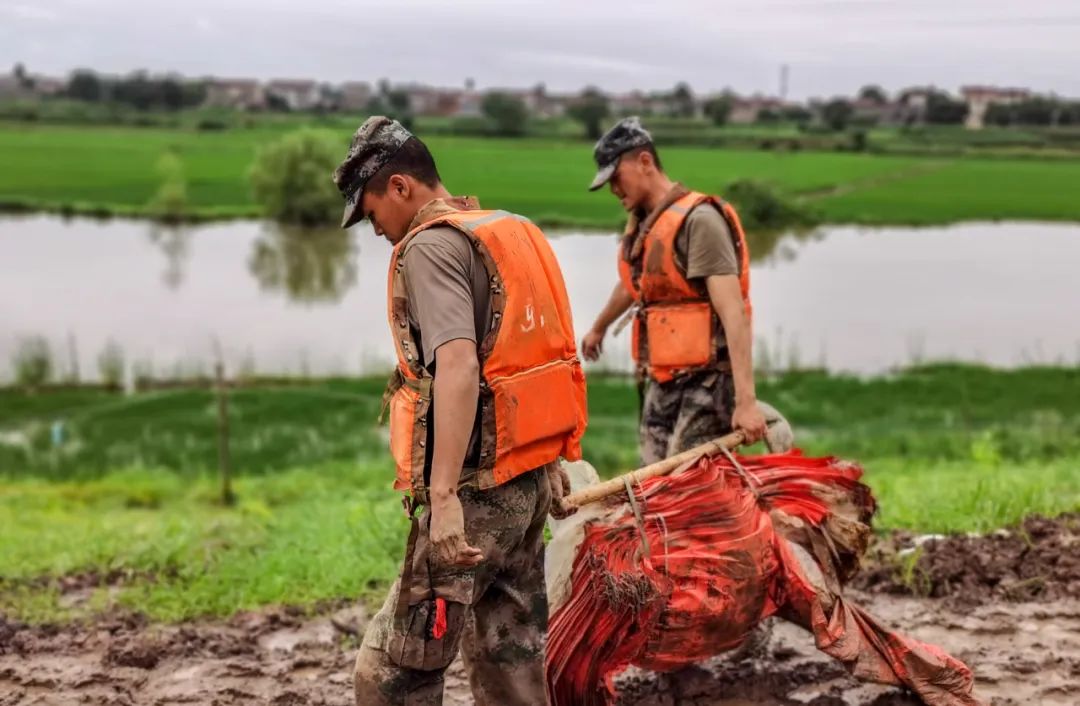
point(831, 46)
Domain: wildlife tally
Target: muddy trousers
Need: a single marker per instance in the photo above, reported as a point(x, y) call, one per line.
point(682, 413)
point(495, 613)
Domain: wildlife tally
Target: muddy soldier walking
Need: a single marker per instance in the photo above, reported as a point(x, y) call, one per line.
point(684, 265)
point(488, 393)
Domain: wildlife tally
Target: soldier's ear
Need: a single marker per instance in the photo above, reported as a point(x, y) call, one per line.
point(399, 186)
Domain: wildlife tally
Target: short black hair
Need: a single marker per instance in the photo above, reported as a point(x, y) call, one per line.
point(412, 159)
point(650, 148)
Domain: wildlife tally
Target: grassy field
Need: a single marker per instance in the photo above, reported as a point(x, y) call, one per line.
point(129, 494)
point(112, 169)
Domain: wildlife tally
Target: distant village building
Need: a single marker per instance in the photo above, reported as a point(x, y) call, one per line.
point(980, 98)
point(240, 94)
point(15, 87)
point(912, 105)
point(867, 111)
point(11, 88)
point(300, 94)
point(632, 103)
point(470, 103)
point(745, 111)
point(355, 96)
point(48, 86)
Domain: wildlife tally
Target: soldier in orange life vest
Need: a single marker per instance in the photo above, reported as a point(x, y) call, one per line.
point(684, 265)
point(487, 395)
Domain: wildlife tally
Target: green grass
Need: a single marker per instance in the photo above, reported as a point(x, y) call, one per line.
point(112, 169)
point(298, 537)
point(936, 412)
point(966, 189)
point(946, 449)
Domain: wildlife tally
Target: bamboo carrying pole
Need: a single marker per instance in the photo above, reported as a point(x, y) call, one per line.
point(602, 490)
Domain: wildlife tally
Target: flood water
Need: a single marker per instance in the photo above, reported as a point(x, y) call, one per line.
point(281, 300)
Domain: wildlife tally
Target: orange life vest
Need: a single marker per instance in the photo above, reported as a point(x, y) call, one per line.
point(532, 389)
point(676, 329)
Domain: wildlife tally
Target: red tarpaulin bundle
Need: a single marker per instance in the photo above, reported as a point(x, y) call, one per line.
point(696, 560)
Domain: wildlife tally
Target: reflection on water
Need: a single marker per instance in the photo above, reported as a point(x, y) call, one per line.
point(287, 300)
point(307, 265)
point(175, 243)
point(778, 245)
point(311, 265)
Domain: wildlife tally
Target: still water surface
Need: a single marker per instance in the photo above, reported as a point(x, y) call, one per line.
point(290, 301)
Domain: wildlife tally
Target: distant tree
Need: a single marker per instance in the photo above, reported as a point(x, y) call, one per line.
point(277, 103)
point(873, 93)
point(172, 94)
point(33, 361)
point(111, 364)
point(941, 109)
point(194, 93)
point(683, 100)
point(837, 113)
point(718, 108)
point(85, 85)
point(768, 116)
point(138, 91)
point(1038, 111)
point(375, 106)
point(591, 109)
point(1000, 114)
point(507, 113)
point(796, 114)
point(1070, 114)
point(20, 74)
point(290, 178)
point(393, 103)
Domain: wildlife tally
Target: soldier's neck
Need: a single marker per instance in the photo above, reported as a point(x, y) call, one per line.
point(426, 194)
point(658, 189)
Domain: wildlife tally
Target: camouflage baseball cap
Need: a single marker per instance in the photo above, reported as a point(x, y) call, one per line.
point(623, 137)
point(373, 145)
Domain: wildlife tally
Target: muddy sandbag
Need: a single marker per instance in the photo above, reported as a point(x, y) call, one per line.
point(688, 565)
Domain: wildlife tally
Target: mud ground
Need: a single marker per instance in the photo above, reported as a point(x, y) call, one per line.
point(1008, 604)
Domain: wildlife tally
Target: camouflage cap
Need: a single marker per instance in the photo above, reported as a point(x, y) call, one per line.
point(373, 145)
point(623, 137)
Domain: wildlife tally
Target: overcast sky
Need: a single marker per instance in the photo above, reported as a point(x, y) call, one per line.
point(831, 46)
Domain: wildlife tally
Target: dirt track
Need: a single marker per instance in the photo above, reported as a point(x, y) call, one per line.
point(1025, 652)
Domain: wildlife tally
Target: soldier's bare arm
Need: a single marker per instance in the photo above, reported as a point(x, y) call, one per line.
point(726, 298)
point(592, 345)
point(457, 381)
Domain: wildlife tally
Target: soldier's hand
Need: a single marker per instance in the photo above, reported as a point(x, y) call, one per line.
point(749, 420)
point(449, 545)
point(592, 345)
point(559, 483)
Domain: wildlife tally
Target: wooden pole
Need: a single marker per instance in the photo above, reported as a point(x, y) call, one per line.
point(227, 496)
point(599, 491)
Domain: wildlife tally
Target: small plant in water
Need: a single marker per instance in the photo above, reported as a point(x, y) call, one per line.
point(33, 362)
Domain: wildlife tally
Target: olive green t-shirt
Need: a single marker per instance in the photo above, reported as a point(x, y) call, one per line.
point(448, 289)
point(704, 245)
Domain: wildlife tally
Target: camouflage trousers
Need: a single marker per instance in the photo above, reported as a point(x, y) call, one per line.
point(496, 612)
point(682, 413)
